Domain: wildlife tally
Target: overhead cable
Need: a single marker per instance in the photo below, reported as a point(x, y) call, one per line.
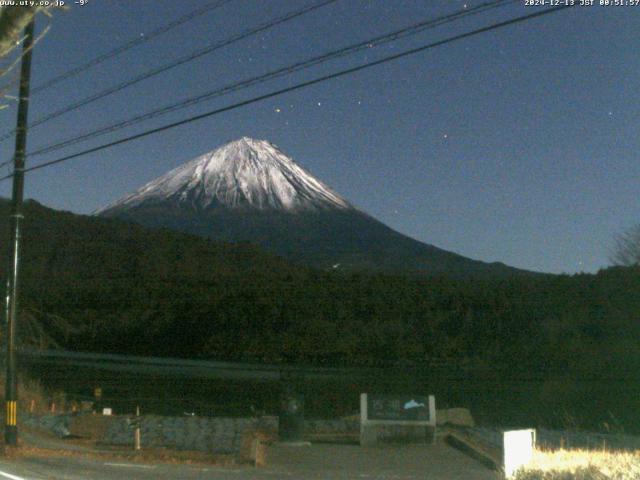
point(277, 73)
point(298, 86)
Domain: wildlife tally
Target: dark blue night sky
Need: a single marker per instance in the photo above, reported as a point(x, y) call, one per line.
point(519, 145)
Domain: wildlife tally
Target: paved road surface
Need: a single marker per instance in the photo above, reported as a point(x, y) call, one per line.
point(339, 462)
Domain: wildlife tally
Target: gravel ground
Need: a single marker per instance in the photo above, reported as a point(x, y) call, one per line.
point(314, 462)
point(317, 462)
point(407, 462)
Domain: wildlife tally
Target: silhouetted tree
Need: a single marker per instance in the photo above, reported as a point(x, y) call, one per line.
point(626, 250)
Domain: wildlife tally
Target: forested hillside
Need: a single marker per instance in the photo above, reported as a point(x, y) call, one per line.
point(100, 285)
point(129, 289)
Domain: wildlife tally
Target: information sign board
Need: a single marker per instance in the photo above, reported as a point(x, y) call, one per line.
point(398, 407)
point(378, 411)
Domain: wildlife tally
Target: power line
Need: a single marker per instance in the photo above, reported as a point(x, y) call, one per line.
point(130, 44)
point(298, 86)
point(377, 41)
point(166, 67)
point(121, 49)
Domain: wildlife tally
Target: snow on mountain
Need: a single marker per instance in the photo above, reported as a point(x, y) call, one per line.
point(249, 191)
point(245, 173)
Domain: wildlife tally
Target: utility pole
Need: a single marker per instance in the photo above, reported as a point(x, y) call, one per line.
point(11, 386)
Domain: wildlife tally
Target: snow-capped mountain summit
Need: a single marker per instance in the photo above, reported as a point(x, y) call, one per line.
point(245, 173)
point(249, 191)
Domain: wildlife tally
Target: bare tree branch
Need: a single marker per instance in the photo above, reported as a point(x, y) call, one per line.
point(13, 20)
point(626, 250)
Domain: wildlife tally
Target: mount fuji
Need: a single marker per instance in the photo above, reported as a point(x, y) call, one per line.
point(249, 191)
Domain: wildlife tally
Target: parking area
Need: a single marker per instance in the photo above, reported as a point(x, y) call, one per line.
point(316, 461)
point(402, 462)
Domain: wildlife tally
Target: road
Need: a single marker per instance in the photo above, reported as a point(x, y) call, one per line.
point(318, 462)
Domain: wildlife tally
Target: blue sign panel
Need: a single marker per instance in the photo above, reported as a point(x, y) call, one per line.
point(398, 407)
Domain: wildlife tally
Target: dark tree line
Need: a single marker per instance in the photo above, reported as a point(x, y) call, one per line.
point(99, 285)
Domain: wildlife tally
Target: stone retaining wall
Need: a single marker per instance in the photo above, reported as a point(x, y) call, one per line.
point(338, 426)
point(207, 434)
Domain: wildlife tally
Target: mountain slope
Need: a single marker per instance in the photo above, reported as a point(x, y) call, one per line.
point(245, 174)
point(103, 286)
point(248, 190)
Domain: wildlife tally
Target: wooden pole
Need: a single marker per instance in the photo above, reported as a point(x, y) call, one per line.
point(11, 310)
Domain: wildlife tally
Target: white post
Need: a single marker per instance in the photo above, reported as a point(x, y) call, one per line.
point(432, 415)
point(136, 435)
point(518, 448)
point(368, 434)
point(363, 409)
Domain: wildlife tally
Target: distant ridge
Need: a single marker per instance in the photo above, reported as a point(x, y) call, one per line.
point(249, 191)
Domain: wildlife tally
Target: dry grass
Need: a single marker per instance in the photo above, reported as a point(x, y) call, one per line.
point(90, 449)
point(149, 455)
point(32, 397)
point(582, 465)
